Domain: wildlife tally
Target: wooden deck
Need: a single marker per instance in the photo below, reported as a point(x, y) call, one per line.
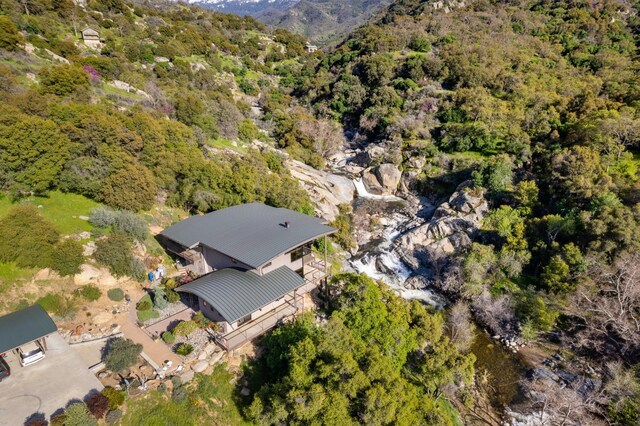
point(266, 322)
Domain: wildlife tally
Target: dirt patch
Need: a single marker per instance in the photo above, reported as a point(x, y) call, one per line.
point(238, 356)
point(534, 355)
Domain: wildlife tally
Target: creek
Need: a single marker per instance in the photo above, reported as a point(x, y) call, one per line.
point(378, 259)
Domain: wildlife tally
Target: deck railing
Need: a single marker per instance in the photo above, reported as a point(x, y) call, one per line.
point(260, 325)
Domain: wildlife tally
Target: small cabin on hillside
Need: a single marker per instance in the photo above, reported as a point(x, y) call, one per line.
point(255, 264)
point(91, 38)
point(311, 48)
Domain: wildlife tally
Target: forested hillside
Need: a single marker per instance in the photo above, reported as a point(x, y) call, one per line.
point(159, 112)
point(323, 21)
point(529, 107)
point(535, 102)
point(175, 106)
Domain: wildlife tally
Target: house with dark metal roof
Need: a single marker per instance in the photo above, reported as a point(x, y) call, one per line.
point(255, 264)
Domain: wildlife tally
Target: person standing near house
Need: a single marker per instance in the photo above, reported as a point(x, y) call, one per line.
point(161, 271)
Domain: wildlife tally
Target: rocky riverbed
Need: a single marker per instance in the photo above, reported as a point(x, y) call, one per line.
point(399, 236)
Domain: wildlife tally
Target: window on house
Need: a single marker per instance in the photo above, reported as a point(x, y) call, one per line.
point(244, 320)
point(296, 254)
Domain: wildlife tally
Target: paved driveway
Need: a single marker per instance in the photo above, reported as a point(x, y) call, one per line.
point(45, 386)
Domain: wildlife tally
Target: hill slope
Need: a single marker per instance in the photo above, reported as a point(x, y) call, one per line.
point(244, 7)
point(533, 103)
point(323, 21)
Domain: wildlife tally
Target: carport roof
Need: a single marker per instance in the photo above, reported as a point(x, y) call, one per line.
point(24, 326)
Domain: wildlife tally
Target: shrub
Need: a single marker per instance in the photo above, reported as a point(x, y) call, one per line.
point(50, 302)
point(172, 296)
point(344, 235)
point(162, 388)
point(168, 337)
point(176, 381)
point(64, 80)
point(137, 269)
point(179, 394)
point(103, 217)
point(143, 305)
point(115, 397)
point(90, 292)
point(144, 316)
point(10, 37)
point(98, 405)
point(202, 321)
point(131, 188)
point(115, 253)
point(36, 419)
point(170, 284)
point(57, 304)
point(131, 224)
point(121, 220)
point(67, 256)
point(185, 328)
point(78, 415)
point(113, 416)
point(58, 419)
point(121, 354)
point(184, 349)
point(159, 298)
point(23, 232)
point(115, 294)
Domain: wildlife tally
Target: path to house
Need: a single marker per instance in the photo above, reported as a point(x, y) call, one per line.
point(155, 352)
point(168, 323)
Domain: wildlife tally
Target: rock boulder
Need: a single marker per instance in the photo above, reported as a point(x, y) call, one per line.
point(88, 274)
point(327, 190)
point(200, 366)
point(389, 176)
point(371, 182)
point(448, 231)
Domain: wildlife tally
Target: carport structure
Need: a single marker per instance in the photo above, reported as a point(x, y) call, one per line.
point(25, 326)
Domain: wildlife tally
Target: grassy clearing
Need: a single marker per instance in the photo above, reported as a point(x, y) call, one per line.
point(63, 210)
point(211, 401)
point(11, 274)
point(227, 144)
point(111, 90)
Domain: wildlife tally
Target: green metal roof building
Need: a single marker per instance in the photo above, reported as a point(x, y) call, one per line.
point(252, 234)
point(255, 263)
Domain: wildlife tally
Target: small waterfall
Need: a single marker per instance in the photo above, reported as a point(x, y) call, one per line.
point(381, 262)
point(363, 193)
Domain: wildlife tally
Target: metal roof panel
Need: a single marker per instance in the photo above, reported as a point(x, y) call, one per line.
point(24, 326)
point(250, 233)
point(236, 294)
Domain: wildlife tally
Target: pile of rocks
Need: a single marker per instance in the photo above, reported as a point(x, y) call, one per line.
point(209, 356)
point(513, 343)
point(449, 231)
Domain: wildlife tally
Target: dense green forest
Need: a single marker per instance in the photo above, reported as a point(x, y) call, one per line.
point(535, 102)
point(193, 72)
